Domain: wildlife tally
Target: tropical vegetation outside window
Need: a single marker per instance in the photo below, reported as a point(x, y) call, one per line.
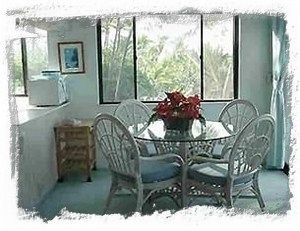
point(16, 68)
point(143, 57)
point(168, 51)
point(28, 57)
point(37, 55)
point(117, 59)
point(218, 57)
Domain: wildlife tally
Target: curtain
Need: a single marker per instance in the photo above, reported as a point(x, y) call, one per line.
point(276, 157)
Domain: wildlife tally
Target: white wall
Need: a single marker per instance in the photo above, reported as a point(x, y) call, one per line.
point(36, 161)
point(255, 58)
point(83, 88)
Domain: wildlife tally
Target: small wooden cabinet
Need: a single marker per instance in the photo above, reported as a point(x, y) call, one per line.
point(75, 148)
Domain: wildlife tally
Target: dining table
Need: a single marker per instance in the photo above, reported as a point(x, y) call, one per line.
point(206, 141)
point(201, 139)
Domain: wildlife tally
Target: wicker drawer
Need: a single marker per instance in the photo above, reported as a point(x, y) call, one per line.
point(75, 148)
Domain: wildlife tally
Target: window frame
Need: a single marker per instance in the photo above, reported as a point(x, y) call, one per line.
point(235, 52)
point(24, 44)
point(24, 68)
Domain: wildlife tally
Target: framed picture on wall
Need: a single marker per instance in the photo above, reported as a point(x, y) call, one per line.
point(70, 56)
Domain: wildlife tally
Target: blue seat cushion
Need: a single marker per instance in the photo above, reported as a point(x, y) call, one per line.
point(147, 148)
point(213, 173)
point(155, 171)
point(151, 149)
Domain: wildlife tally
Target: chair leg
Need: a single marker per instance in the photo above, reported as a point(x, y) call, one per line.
point(140, 195)
point(228, 197)
point(113, 189)
point(257, 193)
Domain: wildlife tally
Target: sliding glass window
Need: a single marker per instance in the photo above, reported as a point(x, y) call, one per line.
point(218, 57)
point(168, 51)
point(143, 57)
point(117, 59)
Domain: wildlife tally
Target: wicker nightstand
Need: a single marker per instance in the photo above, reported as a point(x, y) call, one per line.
point(75, 148)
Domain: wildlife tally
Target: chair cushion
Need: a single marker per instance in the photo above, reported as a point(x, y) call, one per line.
point(155, 171)
point(213, 173)
point(146, 148)
point(217, 151)
point(151, 149)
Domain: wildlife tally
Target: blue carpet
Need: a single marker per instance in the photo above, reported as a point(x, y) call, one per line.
point(78, 196)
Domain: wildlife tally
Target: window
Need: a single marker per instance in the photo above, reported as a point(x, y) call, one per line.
point(37, 55)
point(143, 57)
point(28, 57)
point(16, 68)
point(218, 57)
point(168, 51)
point(117, 59)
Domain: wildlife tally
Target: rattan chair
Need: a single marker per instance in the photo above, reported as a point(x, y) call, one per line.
point(227, 179)
point(135, 116)
point(236, 114)
point(143, 176)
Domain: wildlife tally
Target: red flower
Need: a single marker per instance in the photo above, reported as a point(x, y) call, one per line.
point(195, 100)
point(177, 105)
point(163, 109)
point(176, 98)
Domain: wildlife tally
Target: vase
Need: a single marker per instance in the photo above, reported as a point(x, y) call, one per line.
point(178, 124)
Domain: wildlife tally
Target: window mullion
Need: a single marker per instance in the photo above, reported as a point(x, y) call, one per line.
point(236, 57)
point(100, 67)
point(201, 59)
point(24, 64)
point(134, 56)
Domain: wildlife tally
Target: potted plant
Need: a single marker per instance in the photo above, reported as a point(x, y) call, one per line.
point(178, 111)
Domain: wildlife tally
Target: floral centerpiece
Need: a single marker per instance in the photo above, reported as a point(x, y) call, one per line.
point(178, 111)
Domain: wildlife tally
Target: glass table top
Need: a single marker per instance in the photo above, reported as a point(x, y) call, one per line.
point(157, 132)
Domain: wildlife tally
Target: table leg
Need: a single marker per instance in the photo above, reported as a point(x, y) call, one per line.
point(184, 154)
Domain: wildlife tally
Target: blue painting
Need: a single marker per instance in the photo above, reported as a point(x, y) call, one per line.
point(71, 58)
